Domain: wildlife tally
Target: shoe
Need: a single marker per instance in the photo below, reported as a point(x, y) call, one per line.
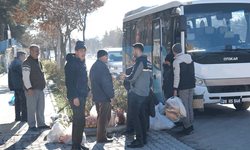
point(83, 147)
point(17, 119)
point(24, 120)
point(127, 132)
point(105, 141)
point(44, 127)
point(109, 136)
point(135, 144)
point(189, 130)
point(33, 129)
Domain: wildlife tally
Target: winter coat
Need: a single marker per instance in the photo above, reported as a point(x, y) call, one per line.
point(168, 76)
point(15, 75)
point(76, 77)
point(184, 75)
point(33, 74)
point(101, 82)
point(140, 78)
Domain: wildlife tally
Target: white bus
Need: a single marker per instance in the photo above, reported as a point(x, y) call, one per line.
point(216, 33)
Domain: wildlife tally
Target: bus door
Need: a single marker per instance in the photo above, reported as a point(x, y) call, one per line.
point(156, 59)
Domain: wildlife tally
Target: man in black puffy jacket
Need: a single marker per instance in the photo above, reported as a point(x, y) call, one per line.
point(16, 84)
point(184, 83)
point(103, 94)
point(77, 91)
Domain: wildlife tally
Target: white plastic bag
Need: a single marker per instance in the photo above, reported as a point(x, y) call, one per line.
point(54, 134)
point(160, 122)
point(93, 112)
point(175, 109)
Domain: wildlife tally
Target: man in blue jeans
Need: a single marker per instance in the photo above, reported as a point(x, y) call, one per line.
point(77, 91)
point(140, 86)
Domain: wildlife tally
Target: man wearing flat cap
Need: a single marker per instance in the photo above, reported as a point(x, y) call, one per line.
point(103, 94)
point(184, 83)
point(16, 84)
point(77, 90)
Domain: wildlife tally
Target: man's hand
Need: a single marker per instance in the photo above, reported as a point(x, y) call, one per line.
point(112, 101)
point(90, 96)
point(76, 102)
point(167, 62)
point(122, 77)
point(31, 93)
point(175, 92)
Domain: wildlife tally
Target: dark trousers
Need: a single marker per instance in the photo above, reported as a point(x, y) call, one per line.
point(130, 126)
point(135, 105)
point(78, 120)
point(103, 117)
point(20, 105)
point(144, 118)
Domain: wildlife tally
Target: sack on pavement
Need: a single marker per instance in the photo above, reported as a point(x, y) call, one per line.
point(54, 134)
point(160, 122)
point(175, 109)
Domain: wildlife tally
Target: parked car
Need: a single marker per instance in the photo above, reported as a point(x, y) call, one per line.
point(115, 61)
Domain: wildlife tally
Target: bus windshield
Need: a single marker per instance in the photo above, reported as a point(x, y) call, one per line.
point(217, 28)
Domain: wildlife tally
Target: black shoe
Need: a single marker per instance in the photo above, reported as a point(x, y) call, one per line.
point(83, 147)
point(44, 127)
point(127, 132)
point(17, 119)
point(75, 147)
point(105, 141)
point(189, 130)
point(33, 129)
point(24, 120)
point(135, 144)
point(145, 141)
point(109, 136)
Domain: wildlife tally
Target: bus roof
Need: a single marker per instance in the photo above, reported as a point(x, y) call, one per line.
point(143, 11)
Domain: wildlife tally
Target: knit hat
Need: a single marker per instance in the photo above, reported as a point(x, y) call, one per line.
point(177, 48)
point(79, 45)
point(101, 53)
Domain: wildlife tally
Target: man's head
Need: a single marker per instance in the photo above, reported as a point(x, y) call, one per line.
point(103, 55)
point(176, 48)
point(80, 50)
point(133, 60)
point(34, 51)
point(138, 49)
point(21, 55)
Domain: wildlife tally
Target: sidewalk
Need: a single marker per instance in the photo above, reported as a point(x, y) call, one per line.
point(15, 135)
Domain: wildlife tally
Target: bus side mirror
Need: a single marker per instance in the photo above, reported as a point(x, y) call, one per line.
point(182, 23)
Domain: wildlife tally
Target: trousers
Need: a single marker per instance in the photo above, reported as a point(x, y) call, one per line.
point(20, 105)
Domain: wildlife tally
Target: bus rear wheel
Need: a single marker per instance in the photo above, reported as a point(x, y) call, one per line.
point(242, 106)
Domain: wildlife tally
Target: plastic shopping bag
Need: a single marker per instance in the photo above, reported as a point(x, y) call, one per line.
point(175, 109)
point(55, 133)
point(160, 122)
point(12, 101)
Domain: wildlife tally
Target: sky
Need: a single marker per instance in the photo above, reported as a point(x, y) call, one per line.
point(110, 16)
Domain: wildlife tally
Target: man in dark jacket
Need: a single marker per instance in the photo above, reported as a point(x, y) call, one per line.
point(103, 94)
point(16, 84)
point(168, 76)
point(130, 127)
point(139, 79)
point(184, 83)
point(77, 91)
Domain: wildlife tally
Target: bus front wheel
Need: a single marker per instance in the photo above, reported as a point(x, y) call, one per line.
point(242, 106)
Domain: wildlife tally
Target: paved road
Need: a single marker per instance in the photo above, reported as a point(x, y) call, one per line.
point(220, 127)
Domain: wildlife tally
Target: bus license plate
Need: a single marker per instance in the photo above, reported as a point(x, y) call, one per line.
point(230, 101)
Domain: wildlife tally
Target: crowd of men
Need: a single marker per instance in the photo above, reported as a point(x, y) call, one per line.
point(26, 78)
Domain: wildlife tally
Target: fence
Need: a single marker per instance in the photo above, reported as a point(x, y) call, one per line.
point(5, 44)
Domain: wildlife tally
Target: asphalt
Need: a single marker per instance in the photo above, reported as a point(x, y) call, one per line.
point(16, 136)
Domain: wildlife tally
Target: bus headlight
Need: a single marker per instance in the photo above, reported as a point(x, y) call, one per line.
point(199, 82)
